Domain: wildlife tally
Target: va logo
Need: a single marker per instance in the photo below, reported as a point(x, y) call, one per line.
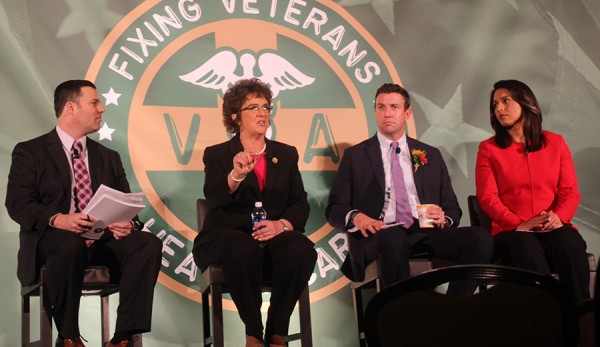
point(163, 71)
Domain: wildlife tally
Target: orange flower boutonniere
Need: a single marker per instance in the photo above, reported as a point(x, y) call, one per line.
point(419, 158)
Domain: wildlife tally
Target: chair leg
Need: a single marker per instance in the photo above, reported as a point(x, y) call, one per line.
point(45, 320)
point(305, 321)
point(105, 319)
point(358, 314)
point(206, 319)
point(217, 307)
point(25, 320)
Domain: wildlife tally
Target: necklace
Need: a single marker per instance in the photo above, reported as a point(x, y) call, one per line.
point(261, 152)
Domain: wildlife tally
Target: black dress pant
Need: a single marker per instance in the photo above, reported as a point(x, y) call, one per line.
point(394, 246)
point(562, 250)
point(287, 261)
point(136, 257)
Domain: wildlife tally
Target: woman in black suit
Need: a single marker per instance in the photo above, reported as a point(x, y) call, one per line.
point(239, 172)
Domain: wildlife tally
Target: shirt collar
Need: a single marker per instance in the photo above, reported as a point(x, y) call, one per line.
point(385, 143)
point(67, 141)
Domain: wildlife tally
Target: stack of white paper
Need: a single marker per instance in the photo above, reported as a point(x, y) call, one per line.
point(108, 206)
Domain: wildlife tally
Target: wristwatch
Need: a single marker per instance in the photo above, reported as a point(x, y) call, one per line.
point(351, 219)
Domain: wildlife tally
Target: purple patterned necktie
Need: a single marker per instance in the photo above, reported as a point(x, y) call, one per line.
point(403, 210)
point(83, 186)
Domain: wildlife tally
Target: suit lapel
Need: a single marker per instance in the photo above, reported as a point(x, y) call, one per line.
point(374, 156)
point(418, 176)
point(57, 153)
point(95, 164)
point(272, 169)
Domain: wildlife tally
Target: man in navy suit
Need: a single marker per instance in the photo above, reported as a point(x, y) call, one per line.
point(42, 198)
point(362, 201)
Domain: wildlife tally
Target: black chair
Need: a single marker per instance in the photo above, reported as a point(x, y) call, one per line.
point(479, 218)
point(418, 264)
point(212, 282)
point(586, 318)
point(519, 308)
point(96, 282)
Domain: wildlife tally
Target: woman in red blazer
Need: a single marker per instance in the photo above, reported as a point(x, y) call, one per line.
point(526, 183)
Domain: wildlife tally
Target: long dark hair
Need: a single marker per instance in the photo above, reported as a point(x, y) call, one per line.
point(530, 113)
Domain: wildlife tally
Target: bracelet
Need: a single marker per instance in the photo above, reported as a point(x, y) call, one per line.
point(235, 179)
point(285, 228)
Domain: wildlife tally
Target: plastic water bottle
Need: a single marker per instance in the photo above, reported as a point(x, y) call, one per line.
point(258, 213)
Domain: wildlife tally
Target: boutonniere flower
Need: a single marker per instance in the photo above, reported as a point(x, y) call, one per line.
point(419, 158)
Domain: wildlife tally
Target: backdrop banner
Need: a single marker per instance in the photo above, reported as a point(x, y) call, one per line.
point(161, 68)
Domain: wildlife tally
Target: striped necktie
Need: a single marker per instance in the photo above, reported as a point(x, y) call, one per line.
point(83, 185)
point(403, 210)
point(82, 193)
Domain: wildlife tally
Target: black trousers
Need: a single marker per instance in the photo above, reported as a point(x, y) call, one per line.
point(136, 257)
point(287, 261)
point(394, 246)
point(562, 250)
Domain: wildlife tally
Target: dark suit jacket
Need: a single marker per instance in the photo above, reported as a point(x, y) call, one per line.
point(360, 185)
point(283, 195)
point(39, 186)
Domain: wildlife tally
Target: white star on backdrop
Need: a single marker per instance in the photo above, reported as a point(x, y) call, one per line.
point(111, 97)
point(447, 128)
point(91, 18)
point(574, 54)
point(383, 8)
point(106, 132)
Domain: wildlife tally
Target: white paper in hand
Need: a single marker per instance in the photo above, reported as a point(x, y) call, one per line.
point(108, 206)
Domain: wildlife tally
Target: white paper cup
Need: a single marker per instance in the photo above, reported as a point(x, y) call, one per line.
point(424, 222)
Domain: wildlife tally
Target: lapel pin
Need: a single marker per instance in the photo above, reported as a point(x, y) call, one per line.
point(275, 160)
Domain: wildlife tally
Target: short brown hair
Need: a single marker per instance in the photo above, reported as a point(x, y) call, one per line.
point(389, 88)
point(235, 97)
point(68, 91)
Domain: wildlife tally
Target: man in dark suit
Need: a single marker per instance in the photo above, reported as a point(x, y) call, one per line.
point(42, 198)
point(364, 201)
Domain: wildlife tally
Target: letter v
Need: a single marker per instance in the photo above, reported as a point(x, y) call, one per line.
point(183, 153)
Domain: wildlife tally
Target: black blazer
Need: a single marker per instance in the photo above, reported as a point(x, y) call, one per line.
point(360, 185)
point(283, 195)
point(39, 186)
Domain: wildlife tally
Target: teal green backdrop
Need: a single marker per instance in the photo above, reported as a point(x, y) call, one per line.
point(447, 53)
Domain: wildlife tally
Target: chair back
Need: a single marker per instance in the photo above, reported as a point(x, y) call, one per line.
point(476, 214)
point(518, 308)
point(587, 330)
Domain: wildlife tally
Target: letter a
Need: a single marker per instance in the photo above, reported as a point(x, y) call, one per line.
point(320, 131)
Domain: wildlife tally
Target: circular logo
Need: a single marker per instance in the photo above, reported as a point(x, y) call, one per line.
point(163, 71)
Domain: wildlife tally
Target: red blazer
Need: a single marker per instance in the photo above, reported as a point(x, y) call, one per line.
point(513, 186)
